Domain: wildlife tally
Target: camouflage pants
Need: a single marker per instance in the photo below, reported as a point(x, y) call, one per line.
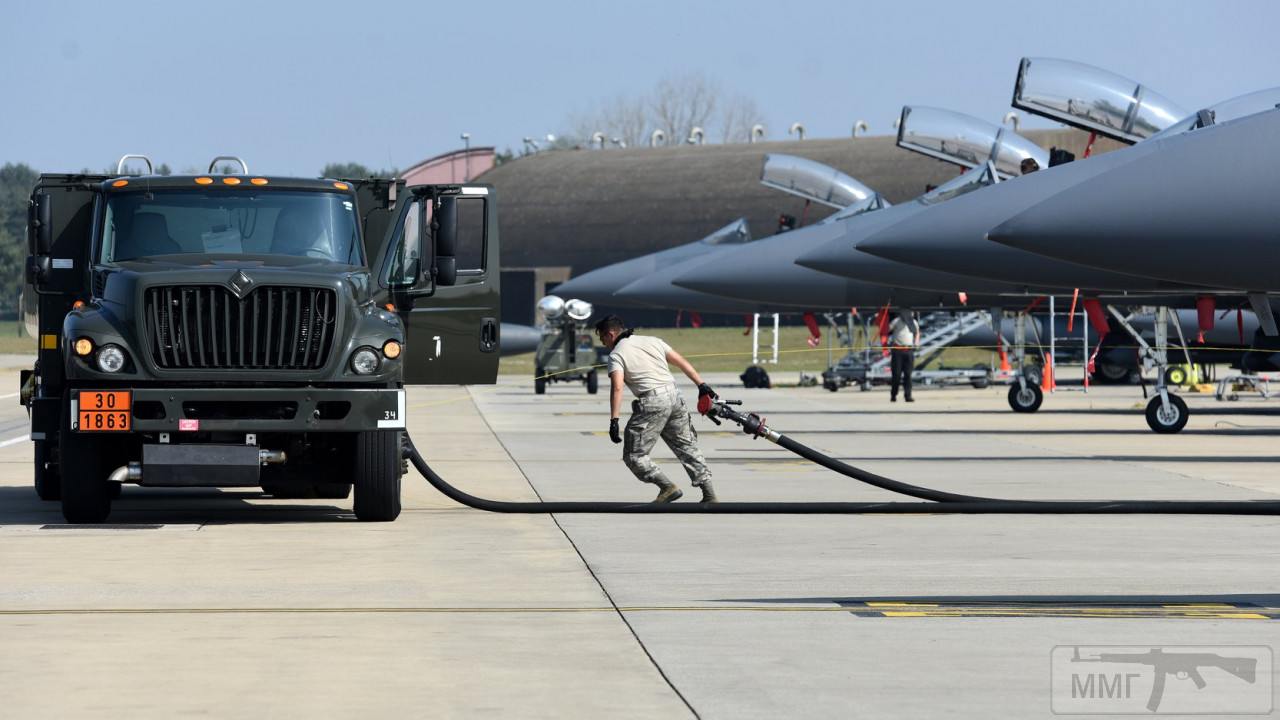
point(662, 414)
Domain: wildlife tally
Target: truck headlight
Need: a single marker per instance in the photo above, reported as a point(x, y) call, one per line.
point(364, 361)
point(110, 359)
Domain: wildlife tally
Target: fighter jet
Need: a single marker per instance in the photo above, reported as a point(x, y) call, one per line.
point(1207, 192)
point(812, 181)
point(1074, 93)
point(598, 286)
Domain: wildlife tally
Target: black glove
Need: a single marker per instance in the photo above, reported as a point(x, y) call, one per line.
point(705, 396)
point(614, 433)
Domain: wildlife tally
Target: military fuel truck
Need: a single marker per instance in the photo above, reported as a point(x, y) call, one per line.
point(242, 330)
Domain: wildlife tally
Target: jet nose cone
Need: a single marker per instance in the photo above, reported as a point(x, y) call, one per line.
point(655, 290)
point(895, 244)
point(597, 286)
point(713, 279)
point(830, 255)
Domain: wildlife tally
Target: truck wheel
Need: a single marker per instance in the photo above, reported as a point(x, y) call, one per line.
point(377, 480)
point(1025, 400)
point(86, 494)
point(593, 382)
point(48, 483)
point(1167, 422)
point(539, 381)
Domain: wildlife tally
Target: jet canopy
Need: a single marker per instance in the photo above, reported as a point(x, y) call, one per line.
point(976, 178)
point(1233, 109)
point(966, 140)
point(1092, 99)
point(812, 181)
point(735, 233)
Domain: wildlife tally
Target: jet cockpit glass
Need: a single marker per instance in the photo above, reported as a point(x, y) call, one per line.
point(734, 233)
point(1092, 99)
point(966, 140)
point(1233, 109)
point(812, 181)
point(875, 202)
point(977, 178)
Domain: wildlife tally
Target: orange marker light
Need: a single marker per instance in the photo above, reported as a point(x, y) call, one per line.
point(259, 181)
point(391, 349)
point(83, 346)
point(77, 305)
point(204, 181)
point(230, 181)
point(390, 307)
point(120, 183)
point(341, 186)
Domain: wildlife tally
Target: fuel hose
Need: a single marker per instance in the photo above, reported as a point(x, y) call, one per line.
point(929, 501)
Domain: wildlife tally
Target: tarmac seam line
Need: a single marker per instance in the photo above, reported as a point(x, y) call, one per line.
point(590, 570)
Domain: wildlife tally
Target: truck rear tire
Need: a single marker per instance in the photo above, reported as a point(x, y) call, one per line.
point(47, 480)
point(377, 477)
point(86, 494)
point(593, 382)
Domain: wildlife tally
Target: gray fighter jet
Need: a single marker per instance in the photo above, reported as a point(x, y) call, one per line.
point(1081, 95)
point(599, 285)
point(1209, 192)
point(950, 236)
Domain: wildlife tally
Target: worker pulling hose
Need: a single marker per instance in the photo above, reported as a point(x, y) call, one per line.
point(934, 501)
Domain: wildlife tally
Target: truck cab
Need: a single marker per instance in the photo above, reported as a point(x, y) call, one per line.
point(244, 330)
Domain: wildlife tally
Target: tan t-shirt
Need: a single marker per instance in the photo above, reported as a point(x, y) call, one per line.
point(642, 360)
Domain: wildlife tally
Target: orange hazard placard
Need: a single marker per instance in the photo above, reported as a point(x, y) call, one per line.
point(105, 411)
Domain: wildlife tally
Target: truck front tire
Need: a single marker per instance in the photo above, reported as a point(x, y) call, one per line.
point(47, 480)
point(86, 494)
point(377, 475)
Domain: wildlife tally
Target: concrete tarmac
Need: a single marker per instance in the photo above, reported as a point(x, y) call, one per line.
point(233, 604)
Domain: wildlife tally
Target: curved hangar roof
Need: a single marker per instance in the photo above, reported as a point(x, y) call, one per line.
point(590, 208)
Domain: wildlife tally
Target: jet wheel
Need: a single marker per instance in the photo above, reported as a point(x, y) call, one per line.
point(1167, 421)
point(1025, 399)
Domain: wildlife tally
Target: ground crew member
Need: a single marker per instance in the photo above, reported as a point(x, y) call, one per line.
point(904, 336)
point(643, 364)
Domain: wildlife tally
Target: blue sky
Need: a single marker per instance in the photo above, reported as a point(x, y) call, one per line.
point(293, 85)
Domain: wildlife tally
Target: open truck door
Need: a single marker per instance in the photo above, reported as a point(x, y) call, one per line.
point(439, 267)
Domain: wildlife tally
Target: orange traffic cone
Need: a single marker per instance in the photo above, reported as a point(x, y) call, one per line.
point(1046, 377)
point(1004, 357)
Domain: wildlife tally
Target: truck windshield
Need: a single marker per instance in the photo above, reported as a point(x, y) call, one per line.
point(319, 225)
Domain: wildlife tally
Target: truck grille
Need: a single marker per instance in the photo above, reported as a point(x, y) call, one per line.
point(271, 328)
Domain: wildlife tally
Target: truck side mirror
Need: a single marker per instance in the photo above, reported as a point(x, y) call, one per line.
point(446, 241)
point(40, 225)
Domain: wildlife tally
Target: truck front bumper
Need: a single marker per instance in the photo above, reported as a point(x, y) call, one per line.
point(266, 409)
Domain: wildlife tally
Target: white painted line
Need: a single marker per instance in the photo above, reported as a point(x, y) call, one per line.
point(14, 440)
point(10, 395)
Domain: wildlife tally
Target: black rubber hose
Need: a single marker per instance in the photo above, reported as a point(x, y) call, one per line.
point(879, 481)
point(968, 506)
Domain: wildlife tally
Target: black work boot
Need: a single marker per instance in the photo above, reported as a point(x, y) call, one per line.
point(668, 492)
point(709, 493)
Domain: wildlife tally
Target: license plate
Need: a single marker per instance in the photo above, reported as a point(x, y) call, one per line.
point(105, 411)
